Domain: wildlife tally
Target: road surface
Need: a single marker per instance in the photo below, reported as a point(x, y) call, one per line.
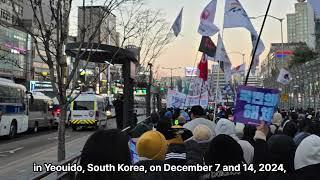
point(18, 155)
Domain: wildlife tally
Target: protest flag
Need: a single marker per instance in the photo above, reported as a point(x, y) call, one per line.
point(223, 59)
point(176, 27)
point(239, 69)
point(206, 26)
point(236, 16)
point(284, 77)
point(203, 68)
point(207, 46)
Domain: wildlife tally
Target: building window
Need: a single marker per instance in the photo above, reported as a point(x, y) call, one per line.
point(5, 15)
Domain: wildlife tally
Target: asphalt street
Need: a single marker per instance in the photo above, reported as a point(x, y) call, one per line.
point(18, 155)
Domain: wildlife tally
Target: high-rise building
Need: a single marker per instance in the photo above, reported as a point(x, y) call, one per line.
point(301, 24)
point(106, 33)
point(317, 34)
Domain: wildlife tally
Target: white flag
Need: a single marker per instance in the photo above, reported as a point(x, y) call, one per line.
point(176, 27)
point(236, 16)
point(239, 69)
point(284, 77)
point(222, 56)
point(206, 27)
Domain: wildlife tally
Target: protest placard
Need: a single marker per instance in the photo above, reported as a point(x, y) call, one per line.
point(255, 104)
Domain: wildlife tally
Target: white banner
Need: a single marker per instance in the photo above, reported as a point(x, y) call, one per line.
point(236, 16)
point(175, 99)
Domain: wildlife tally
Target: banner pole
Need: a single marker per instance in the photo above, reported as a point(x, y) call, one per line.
point(256, 47)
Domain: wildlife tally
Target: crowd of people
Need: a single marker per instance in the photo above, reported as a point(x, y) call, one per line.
point(289, 148)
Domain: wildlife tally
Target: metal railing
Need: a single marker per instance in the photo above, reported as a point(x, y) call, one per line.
point(75, 159)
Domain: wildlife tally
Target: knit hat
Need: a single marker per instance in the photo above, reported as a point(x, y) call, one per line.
point(152, 145)
point(308, 152)
point(202, 133)
point(224, 150)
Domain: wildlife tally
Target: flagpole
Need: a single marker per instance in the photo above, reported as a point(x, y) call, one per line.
point(256, 47)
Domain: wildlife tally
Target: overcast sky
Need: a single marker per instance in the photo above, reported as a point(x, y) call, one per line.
point(182, 52)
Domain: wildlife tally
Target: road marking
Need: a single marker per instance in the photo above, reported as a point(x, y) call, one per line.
point(11, 151)
point(2, 155)
point(56, 138)
point(33, 156)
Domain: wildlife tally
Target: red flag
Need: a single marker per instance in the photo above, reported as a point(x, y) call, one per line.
point(203, 68)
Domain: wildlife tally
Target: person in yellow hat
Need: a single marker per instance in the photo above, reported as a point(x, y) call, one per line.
point(152, 145)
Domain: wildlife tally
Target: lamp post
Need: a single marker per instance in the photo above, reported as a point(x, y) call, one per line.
point(171, 69)
point(280, 20)
point(243, 59)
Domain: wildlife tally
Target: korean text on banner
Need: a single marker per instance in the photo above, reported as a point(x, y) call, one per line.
point(255, 104)
point(175, 99)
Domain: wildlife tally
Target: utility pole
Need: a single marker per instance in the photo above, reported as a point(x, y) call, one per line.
point(148, 100)
point(171, 80)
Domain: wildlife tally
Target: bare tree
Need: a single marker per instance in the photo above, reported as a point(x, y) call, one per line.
point(145, 28)
point(49, 31)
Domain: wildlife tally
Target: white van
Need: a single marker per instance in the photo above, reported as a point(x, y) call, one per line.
point(40, 114)
point(88, 110)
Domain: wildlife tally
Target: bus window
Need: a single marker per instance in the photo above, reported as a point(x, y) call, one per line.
point(83, 105)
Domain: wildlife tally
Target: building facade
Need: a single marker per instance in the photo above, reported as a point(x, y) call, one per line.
point(15, 43)
point(276, 59)
point(301, 24)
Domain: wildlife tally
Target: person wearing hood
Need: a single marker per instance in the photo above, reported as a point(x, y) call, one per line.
point(197, 114)
point(307, 159)
point(224, 150)
point(203, 136)
point(97, 151)
point(239, 130)
point(276, 123)
point(225, 126)
point(281, 151)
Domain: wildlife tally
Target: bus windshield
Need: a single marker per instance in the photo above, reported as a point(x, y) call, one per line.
point(83, 105)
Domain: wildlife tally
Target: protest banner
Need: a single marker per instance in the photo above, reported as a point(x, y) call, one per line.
point(175, 99)
point(255, 104)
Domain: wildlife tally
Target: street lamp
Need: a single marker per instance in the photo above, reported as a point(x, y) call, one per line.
point(171, 69)
point(280, 20)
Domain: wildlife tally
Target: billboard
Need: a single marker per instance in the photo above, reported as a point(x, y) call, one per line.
point(191, 71)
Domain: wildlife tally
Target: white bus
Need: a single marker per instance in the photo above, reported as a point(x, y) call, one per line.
point(13, 108)
point(88, 110)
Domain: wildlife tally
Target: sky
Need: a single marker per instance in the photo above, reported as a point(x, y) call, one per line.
point(183, 50)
